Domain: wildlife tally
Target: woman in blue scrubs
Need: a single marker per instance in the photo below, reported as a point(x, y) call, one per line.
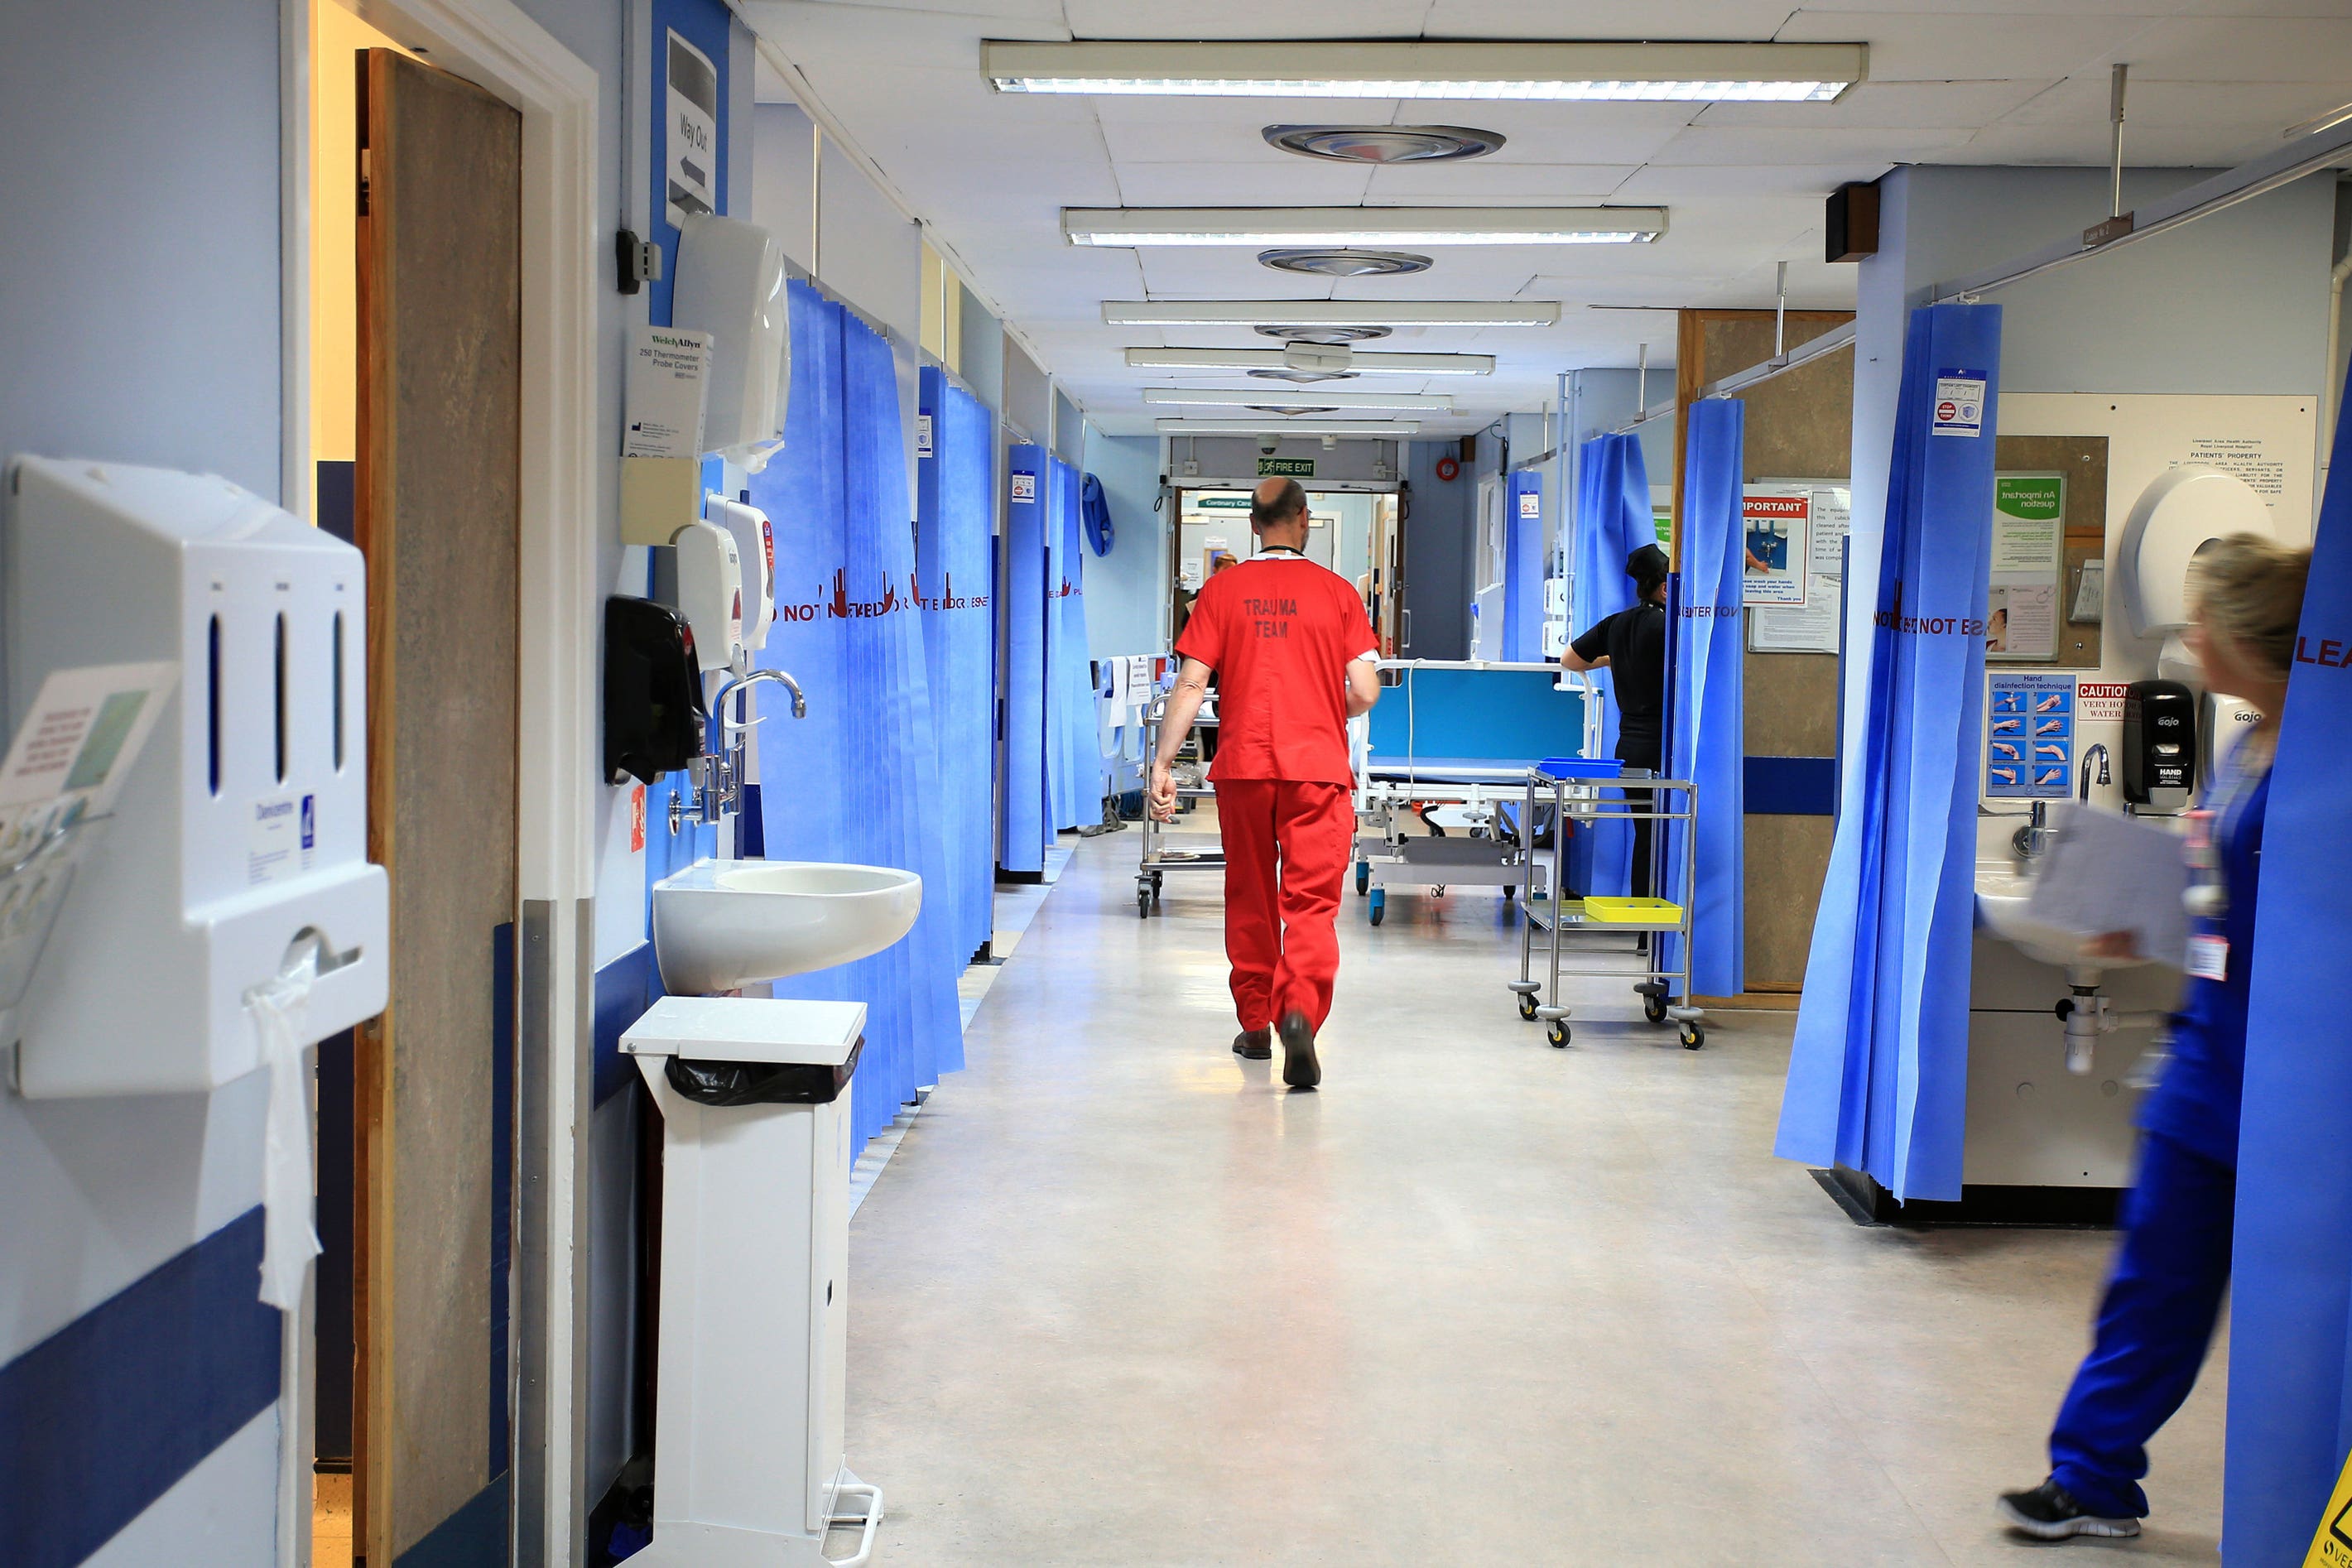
point(2171, 1277)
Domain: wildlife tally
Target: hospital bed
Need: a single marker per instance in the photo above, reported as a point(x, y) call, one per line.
point(1454, 739)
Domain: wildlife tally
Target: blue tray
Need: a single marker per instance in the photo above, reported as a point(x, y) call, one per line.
point(1579, 767)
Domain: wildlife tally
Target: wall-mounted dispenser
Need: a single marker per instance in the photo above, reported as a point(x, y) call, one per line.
point(652, 691)
point(755, 554)
point(710, 592)
point(239, 849)
point(2160, 746)
point(730, 284)
point(2181, 511)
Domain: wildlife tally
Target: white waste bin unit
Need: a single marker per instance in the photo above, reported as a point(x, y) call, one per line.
point(753, 1349)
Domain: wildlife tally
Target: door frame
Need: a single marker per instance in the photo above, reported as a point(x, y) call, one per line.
point(561, 489)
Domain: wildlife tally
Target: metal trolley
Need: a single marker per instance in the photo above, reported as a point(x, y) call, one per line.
point(1159, 858)
point(1579, 795)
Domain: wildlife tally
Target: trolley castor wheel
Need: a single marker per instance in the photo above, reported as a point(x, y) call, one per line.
point(1653, 1008)
point(1364, 878)
point(1558, 1035)
point(1526, 1008)
point(1155, 883)
point(1143, 904)
point(1693, 1037)
point(1380, 905)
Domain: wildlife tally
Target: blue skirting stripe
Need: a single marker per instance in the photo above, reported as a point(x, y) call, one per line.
point(105, 1415)
point(624, 989)
point(1791, 787)
point(473, 1537)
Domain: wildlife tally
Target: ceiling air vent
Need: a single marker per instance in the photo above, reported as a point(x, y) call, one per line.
point(1344, 263)
point(1383, 143)
point(1326, 334)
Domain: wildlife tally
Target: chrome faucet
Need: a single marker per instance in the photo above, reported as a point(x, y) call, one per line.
point(2033, 840)
point(718, 776)
point(2083, 773)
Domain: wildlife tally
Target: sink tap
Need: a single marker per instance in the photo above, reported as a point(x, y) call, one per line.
point(2033, 839)
point(2083, 773)
point(718, 775)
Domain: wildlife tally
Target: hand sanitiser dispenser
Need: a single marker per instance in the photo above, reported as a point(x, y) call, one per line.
point(2159, 745)
point(236, 858)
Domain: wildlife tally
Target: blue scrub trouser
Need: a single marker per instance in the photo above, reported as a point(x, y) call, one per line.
point(2154, 1326)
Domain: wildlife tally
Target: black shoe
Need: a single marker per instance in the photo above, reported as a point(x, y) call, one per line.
point(1299, 1067)
point(1254, 1045)
point(2049, 1512)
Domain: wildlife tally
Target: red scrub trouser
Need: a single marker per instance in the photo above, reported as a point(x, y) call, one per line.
point(1288, 846)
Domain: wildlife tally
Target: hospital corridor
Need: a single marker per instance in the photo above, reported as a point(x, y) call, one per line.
point(1118, 783)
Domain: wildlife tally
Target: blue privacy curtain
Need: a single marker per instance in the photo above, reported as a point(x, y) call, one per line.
point(2291, 1306)
point(1523, 569)
point(1024, 810)
point(1613, 520)
point(1073, 743)
point(838, 783)
point(1878, 1076)
point(1708, 738)
point(956, 492)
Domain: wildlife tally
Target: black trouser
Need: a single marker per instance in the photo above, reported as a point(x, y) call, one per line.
point(1637, 754)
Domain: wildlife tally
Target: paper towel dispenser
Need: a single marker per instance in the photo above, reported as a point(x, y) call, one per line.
point(730, 284)
point(652, 691)
point(2179, 513)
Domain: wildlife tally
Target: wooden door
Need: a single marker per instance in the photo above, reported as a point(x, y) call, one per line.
point(436, 515)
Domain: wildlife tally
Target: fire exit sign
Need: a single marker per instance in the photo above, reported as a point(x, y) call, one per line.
point(1286, 468)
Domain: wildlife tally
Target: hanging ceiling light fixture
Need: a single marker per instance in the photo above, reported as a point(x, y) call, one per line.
point(1335, 227)
point(1390, 427)
point(1542, 70)
point(1260, 361)
point(1384, 144)
point(1290, 317)
point(1218, 397)
point(1302, 377)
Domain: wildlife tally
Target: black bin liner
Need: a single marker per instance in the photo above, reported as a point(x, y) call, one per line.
point(762, 1083)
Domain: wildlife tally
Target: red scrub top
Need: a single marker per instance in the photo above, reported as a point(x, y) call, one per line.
point(1280, 632)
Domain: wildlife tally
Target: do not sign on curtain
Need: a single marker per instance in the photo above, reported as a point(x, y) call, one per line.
point(1878, 1074)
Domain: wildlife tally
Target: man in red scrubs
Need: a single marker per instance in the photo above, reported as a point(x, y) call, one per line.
point(1295, 659)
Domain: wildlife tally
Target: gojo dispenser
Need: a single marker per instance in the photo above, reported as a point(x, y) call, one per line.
point(2159, 756)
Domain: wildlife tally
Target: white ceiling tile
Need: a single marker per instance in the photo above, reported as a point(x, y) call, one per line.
point(2144, 147)
point(2152, 104)
point(1245, 19)
point(1959, 44)
point(1671, 185)
point(1486, 178)
point(1765, 145)
point(2247, 48)
point(1228, 122)
point(1241, 184)
point(788, 12)
point(1708, 19)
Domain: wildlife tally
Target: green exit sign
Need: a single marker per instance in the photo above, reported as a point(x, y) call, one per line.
point(1286, 468)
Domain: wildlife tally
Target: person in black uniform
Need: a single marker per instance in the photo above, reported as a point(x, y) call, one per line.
point(1632, 646)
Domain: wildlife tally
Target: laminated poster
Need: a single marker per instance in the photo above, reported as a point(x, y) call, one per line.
point(2029, 561)
point(1779, 527)
point(1811, 627)
point(2029, 736)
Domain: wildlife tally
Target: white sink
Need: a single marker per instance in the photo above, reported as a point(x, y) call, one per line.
point(2003, 893)
point(723, 925)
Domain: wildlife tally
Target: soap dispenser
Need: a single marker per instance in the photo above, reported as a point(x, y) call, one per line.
point(711, 592)
point(652, 691)
point(2159, 745)
point(755, 554)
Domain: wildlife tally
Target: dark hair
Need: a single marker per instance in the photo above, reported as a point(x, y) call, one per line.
point(1289, 501)
point(1648, 567)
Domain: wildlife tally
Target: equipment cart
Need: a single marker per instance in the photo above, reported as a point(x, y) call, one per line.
point(1159, 857)
point(1584, 794)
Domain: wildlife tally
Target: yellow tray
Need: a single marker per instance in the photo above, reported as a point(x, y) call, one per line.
point(1633, 911)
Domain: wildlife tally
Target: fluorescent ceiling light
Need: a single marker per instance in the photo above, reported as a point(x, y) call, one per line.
point(1274, 359)
point(1263, 227)
point(1549, 72)
point(1302, 398)
point(1329, 313)
point(1288, 427)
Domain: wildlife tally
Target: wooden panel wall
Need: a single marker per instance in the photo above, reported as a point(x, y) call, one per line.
point(440, 304)
point(1799, 425)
